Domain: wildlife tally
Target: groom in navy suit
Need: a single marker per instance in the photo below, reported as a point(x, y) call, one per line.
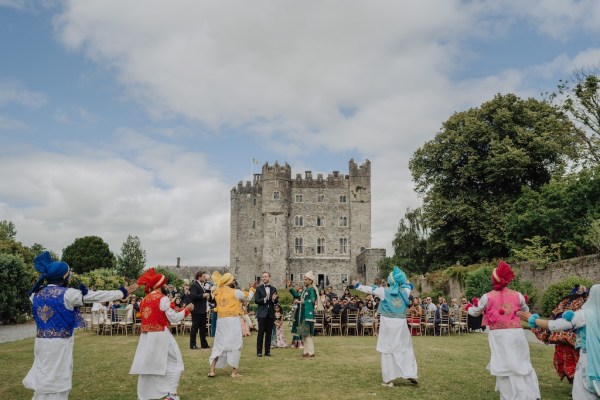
point(265, 297)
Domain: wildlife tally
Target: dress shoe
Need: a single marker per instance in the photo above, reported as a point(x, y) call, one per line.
point(193, 347)
point(259, 355)
point(267, 354)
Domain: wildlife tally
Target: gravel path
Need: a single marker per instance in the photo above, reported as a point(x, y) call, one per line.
point(12, 333)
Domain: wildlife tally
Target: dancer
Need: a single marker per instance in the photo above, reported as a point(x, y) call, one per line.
point(510, 362)
point(394, 341)
point(566, 354)
point(227, 346)
point(586, 382)
point(266, 298)
point(56, 314)
point(157, 359)
point(304, 318)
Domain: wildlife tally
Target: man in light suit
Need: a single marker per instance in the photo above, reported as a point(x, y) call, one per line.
point(265, 297)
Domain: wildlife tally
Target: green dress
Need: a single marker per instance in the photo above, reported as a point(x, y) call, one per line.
point(304, 317)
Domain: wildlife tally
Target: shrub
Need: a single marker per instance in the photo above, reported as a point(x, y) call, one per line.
point(98, 279)
point(15, 281)
point(555, 292)
point(479, 282)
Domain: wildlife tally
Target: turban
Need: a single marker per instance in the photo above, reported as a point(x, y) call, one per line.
point(502, 275)
point(222, 280)
point(50, 270)
point(396, 278)
point(151, 280)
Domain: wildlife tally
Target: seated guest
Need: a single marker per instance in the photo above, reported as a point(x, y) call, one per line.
point(329, 293)
point(414, 315)
point(442, 307)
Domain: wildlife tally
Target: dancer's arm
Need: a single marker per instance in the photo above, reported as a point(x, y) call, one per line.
point(379, 292)
point(477, 310)
point(172, 315)
point(571, 320)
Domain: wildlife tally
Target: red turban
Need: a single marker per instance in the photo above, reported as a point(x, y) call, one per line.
point(502, 275)
point(151, 280)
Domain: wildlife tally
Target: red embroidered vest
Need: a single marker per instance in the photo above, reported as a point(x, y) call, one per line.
point(153, 318)
point(501, 309)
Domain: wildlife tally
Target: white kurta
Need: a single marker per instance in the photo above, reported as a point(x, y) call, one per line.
point(228, 338)
point(394, 342)
point(580, 380)
point(52, 370)
point(510, 361)
point(157, 360)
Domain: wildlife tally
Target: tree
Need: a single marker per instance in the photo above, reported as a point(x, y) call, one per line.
point(559, 212)
point(582, 103)
point(477, 166)
point(7, 231)
point(132, 259)
point(88, 253)
point(410, 242)
point(15, 281)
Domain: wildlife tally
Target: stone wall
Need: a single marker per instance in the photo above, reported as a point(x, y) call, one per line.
point(585, 267)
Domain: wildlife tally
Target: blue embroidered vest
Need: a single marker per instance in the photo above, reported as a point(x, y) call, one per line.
point(394, 306)
point(53, 320)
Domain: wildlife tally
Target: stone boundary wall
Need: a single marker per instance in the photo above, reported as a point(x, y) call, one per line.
point(585, 267)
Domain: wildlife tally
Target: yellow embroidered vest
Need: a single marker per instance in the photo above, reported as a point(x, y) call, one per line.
point(227, 304)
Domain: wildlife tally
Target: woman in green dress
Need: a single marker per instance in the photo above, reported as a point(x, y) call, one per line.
point(304, 317)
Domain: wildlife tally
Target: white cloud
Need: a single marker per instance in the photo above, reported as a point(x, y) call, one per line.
point(54, 199)
point(14, 92)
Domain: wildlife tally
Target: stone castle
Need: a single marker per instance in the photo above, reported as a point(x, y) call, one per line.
point(288, 226)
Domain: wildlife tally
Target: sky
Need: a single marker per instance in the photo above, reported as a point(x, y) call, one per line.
point(138, 118)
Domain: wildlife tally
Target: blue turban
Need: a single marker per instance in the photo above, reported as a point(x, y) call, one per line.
point(50, 270)
point(396, 278)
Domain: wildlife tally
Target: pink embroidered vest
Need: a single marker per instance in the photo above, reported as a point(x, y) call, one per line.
point(501, 309)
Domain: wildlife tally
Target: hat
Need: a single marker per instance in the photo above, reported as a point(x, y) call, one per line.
point(50, 270)
point(502, 275)
point(310, 275)
point(222, 280)
point(152, 280)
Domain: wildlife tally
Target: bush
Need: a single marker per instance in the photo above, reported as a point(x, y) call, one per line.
point(15, 281)
point(98, 279)
point(555, 292)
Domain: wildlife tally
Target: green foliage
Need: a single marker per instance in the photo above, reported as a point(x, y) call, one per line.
point(410, 242)
point(538, 253)
point(285, 297)
point(132, 259)
point(88, 253)
point(558, 212)
point(98, 279)
point(172, 279)
point(555, 292)
point(460, 272)
point(593, 235)
point(15, 281)
point(8, 231)
point(477, 166)
point(479, 282)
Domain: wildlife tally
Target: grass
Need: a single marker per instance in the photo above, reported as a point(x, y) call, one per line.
point(345, 367)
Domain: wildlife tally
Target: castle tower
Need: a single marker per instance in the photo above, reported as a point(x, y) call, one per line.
point(360, 207)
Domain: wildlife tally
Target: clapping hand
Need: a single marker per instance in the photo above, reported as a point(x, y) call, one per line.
point(288, 283)
point(524, 315)
point(189, 307)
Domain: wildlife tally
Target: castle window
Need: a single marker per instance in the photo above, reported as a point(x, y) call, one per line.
point(320, 221)
point(292, 277)
point(275, 195)
point(253, 224)
point(298, 198)
point(276, 183)
point(320, 246)
point(343, 246)
point(320, 198)
point(298, 220)
point(343, 198)
point(301, 277)
point(344, 278)
point(255, 251)
point(298, 247)
point(254, 201)
point(343, 221)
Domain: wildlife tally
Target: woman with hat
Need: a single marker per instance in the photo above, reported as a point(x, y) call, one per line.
point(56, 314)
point(304, 318)
point(157, 359)
point(394, 341)
point(227, 347)
point(510, 362)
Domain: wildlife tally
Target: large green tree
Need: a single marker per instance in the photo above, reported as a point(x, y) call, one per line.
point(88, 253)
point(132, 259)
point(560, 212)
point(477, 166)
point(7, 230)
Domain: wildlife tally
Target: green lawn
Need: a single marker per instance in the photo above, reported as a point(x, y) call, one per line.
point(345, 367)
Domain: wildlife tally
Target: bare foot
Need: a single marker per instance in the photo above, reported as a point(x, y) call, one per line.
point(211, 374)
point(236, 375)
